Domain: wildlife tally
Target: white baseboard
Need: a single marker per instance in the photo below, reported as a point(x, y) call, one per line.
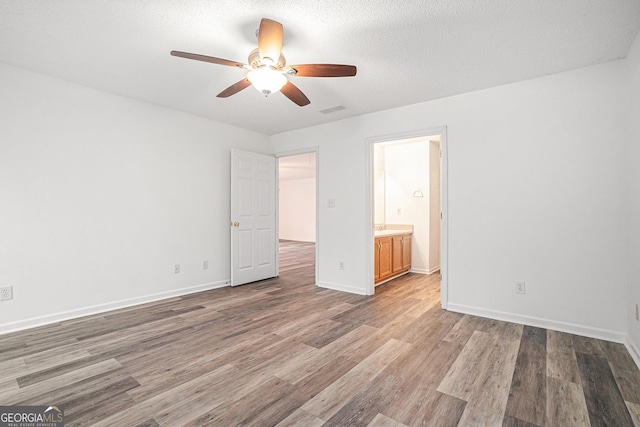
point(101, 308)
point(424, 270)
point(633, 348)
point(434, 269)
point(342, 287)
point(572, 328)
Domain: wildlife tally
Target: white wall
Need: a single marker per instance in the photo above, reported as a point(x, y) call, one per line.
point(633, 167)
point(536, 193)
point(101, 195)
point(297, 209)
point(406, 171)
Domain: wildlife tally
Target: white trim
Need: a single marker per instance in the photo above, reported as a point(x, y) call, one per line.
point(340, 287)
point(444, 205)
point(444, 221)
point(101, 308)
point(572, 328)
point(370, 286)
point(276, 249)
point(633, 349)
point(424, 271)
point(278, 155)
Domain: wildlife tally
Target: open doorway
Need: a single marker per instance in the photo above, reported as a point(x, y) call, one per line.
point(407, 197)
point(297, 228)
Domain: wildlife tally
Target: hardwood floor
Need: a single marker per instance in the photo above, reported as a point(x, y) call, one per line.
point(284, 352)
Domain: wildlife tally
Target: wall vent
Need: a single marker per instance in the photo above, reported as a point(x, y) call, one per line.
point(333, 109)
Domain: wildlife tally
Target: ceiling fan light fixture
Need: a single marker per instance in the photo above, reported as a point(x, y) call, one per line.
point(267, 74)
point(267, 79)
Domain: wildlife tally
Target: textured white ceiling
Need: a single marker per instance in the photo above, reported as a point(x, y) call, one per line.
point(406, 51)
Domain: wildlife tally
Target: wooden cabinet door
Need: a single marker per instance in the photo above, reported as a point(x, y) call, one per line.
point(385, 258)
point(406, 252)
point(397, 247)
point(376, 261)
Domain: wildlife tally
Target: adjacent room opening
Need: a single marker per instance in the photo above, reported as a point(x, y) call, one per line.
point(297, 216)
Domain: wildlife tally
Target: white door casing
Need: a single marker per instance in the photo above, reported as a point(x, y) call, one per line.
point(253, 219)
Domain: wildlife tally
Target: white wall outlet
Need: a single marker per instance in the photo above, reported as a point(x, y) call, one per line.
point(520, 288)
point(341, 265)
point(176, 269)
point(637, 314)
point(331, 203)
point(6, 293)
point(205, 265)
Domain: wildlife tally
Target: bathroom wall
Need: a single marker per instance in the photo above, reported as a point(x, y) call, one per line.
point(407, 171)
point(378, 185)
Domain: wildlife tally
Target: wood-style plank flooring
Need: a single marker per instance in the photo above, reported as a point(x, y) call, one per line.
point(284, 352)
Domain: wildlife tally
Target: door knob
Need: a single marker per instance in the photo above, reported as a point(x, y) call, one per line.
point(236, 224)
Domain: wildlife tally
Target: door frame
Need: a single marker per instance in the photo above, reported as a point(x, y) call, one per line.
point(288, 153)
point(444, 204)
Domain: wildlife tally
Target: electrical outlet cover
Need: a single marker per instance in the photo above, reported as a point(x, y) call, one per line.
point(6, 293)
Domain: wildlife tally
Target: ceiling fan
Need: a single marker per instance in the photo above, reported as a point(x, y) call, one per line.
point(268, 69)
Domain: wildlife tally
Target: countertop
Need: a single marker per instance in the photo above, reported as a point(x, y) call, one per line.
point(386, 233)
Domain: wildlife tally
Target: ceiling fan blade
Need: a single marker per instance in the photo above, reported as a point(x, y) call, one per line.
point(205, 58)
point(324, 70)
point(270, 39)
point(234, 88)
point(292, 92)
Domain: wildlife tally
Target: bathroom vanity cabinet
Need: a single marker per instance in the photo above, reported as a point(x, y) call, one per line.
point(392, 256)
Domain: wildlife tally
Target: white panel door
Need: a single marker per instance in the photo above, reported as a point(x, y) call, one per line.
point(253, 217)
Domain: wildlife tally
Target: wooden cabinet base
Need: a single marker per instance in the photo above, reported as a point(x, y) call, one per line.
point(392, 257)
point(382, 281)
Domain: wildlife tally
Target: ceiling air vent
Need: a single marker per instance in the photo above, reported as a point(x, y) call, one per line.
point(333, 109)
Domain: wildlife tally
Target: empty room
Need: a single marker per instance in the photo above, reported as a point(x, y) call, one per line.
point(320, 213)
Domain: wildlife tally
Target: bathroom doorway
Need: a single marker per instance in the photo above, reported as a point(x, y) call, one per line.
point(407, 192)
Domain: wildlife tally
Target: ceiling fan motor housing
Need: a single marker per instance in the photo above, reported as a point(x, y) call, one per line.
point(256, 61)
